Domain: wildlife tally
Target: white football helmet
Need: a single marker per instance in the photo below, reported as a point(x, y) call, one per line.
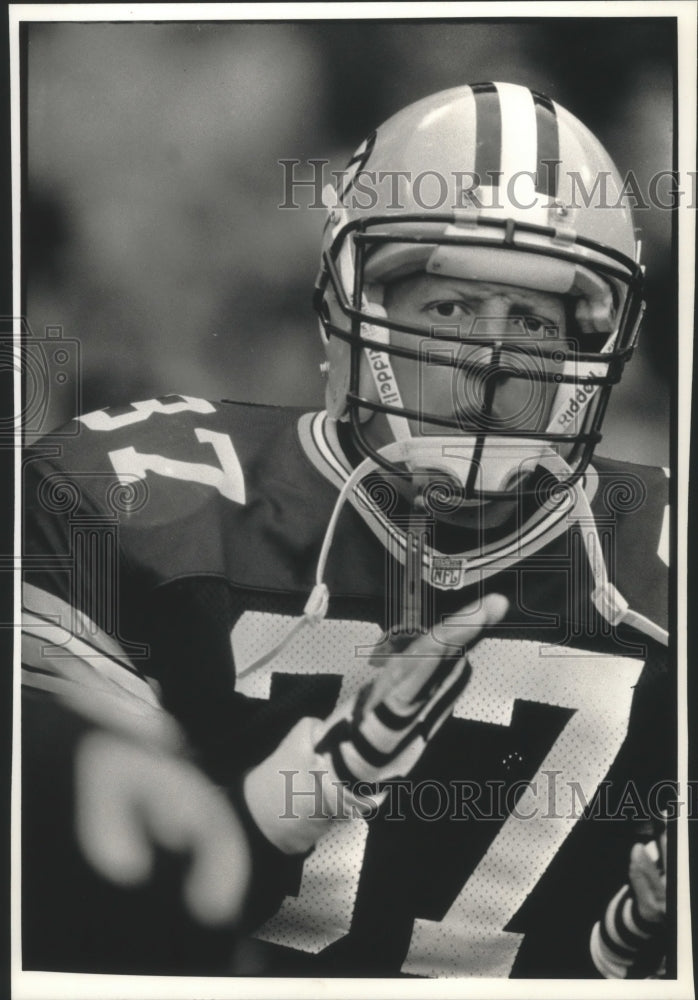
point(494, 183)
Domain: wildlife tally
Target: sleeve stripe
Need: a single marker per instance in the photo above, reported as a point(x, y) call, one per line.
point(51, 647)
point(36, 654)
point(369, 751)
point(608, 963)
point(615, 947)
point(69, 671)
point(633, 932)
point(391, 719)
point(113, 708)
point(645, 928)
point(612, 932)
point(340, 767)
point(39, 621)
point(623, 927)
point(612, 943)
point(54, 610)
point(66, 686)
point(441, 708)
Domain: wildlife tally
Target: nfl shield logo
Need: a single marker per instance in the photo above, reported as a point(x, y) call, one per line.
point(447, 572)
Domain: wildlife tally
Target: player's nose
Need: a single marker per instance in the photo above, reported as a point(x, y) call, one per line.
point(494, 320)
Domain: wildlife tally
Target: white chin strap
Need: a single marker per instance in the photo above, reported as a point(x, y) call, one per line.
point(607, 599)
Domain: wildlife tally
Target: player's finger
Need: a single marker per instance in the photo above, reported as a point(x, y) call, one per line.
point(643, 862)
point(215, 887)
point(480, 614)
point(458, 632)
point(407, 676)
point(108, 829)
point(661, 848)
point(183, 812)
point(466, 626)
point(648, 884)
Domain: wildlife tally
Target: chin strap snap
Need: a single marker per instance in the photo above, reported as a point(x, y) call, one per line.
point(318, 601)
point(317, 604)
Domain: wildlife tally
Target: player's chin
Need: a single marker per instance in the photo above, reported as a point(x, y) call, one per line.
point(477, 515)
point(440, 497)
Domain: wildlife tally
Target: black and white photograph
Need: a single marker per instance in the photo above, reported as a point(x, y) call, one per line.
point(353, 346)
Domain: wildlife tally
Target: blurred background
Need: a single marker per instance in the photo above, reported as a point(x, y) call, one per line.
point(152, 232)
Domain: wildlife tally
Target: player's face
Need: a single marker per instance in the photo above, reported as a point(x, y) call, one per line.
point(531, 322)
point(504, 330)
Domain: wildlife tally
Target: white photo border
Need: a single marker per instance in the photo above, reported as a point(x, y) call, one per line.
point(35, 985)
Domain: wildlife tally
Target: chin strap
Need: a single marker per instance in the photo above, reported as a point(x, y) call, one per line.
point(606, 597)
point(318, 602)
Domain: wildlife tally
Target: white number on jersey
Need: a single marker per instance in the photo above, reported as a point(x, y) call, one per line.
point(470, 940)
point(100, 420)
point(128, 463)
point(228, 479)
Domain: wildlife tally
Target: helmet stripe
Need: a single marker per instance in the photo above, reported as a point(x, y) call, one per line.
point(548, 145)
point(518, 137)
point(488, 134)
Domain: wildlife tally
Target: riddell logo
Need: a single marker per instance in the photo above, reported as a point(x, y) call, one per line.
point(384, 378)
point(447, 572)
point(581, 397)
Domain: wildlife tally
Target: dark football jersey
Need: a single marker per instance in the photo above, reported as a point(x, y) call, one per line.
point(190, 532)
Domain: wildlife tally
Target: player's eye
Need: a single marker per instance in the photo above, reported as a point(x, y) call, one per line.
point(449, 309)
point(539, 325)
point(534, 324)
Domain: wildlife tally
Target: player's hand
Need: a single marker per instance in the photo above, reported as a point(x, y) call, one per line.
point(131, 800)
point(629, 935)
point(324, 770)
point(648, 879)
point(381, 734)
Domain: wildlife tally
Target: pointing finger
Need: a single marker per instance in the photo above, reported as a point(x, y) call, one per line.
point(438, 651)
point(462, 629)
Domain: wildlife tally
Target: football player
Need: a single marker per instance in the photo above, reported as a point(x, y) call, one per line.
point(133, 861)
point(419, 637)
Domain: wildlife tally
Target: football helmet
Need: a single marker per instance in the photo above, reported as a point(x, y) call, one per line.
point(493, 183)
